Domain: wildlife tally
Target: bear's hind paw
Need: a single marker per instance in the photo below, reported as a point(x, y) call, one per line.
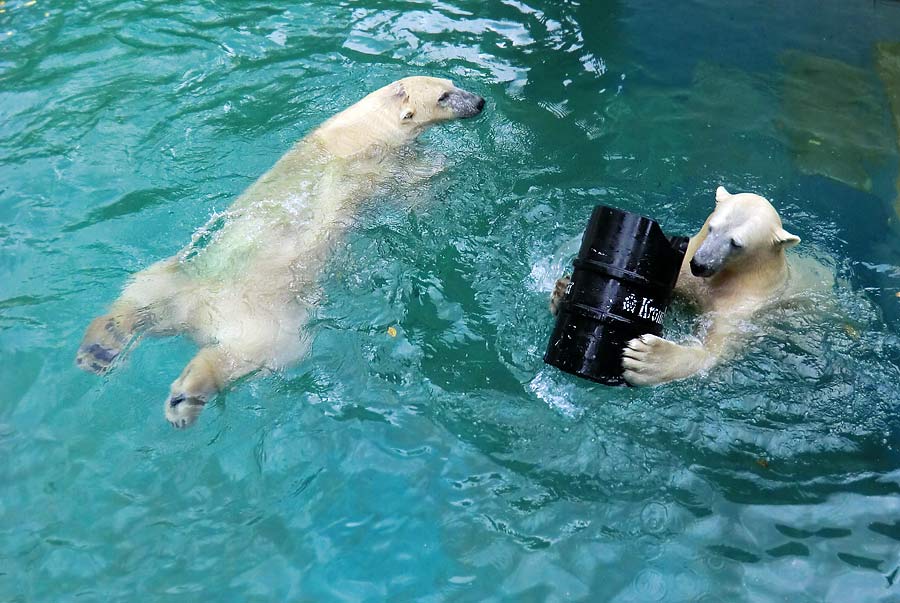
point(102, 345)
point(96, 358)
point(182, 411)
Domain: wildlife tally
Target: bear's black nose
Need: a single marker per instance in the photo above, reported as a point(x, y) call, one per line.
point(465, 104)
point(701, 270)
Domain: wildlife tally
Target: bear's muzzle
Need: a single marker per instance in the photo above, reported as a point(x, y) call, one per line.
point(464, 104)
point(702, 270)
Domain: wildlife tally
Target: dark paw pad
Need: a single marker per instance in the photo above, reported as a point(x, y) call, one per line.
point(176, 400)
point(101, 353)
point(96, 358)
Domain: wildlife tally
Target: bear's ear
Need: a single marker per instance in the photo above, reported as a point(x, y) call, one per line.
point(784, 239)
point(722, 194)
point(399, 91)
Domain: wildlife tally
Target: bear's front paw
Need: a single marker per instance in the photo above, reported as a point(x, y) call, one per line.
point(182, 411)
point(559, 292)
point(651, 360)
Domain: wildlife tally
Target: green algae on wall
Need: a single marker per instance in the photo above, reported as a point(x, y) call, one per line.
point(887, 59)
point(834, 119)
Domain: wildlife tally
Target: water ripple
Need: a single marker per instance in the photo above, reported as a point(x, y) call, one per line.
point(423, 451)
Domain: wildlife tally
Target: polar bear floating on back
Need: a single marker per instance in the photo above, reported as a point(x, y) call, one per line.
point(238, 296)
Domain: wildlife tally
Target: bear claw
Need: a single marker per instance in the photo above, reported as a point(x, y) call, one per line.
point(182, 410)
point(559, 292)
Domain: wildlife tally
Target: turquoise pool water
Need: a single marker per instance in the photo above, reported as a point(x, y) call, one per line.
point(447, 463)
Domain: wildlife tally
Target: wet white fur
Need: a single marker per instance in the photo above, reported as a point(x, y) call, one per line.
point(747, 245)
point(241, 290)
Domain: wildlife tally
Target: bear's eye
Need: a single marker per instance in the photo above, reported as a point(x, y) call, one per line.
point(735, 244)
point(408, 115)
point(442, 98)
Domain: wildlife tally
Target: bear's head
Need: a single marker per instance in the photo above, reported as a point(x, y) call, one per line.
point(423, 101)
point(396, 114)
point(743, 229)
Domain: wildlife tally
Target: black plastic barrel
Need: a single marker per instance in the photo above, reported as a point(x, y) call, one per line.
point(620, 289)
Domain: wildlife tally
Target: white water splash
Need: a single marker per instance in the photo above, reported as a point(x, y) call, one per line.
point(545, 271)
point(554, 393)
